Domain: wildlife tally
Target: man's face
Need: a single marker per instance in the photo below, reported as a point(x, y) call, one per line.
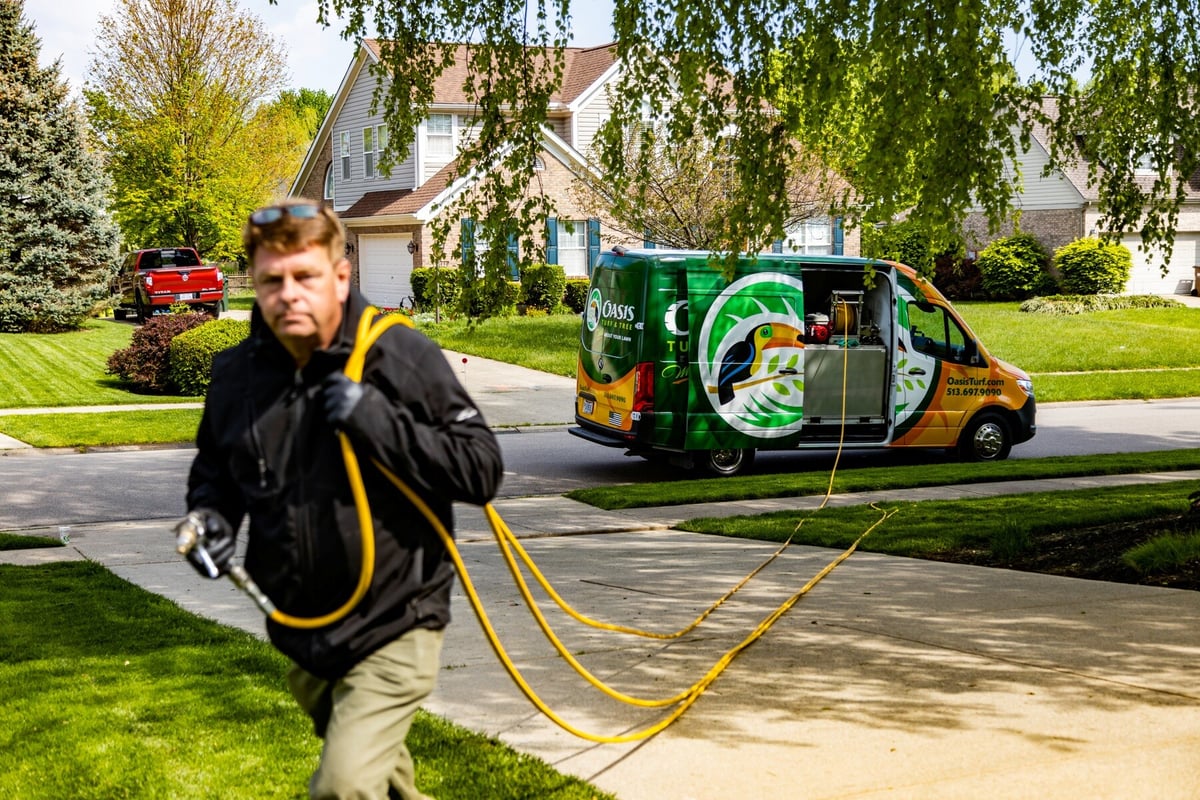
point(300, 295)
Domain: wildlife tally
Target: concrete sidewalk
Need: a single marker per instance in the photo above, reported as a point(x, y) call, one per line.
point(893, 677)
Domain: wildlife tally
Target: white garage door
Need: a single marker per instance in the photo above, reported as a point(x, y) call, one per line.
point(1147, 276)
point(385, 270)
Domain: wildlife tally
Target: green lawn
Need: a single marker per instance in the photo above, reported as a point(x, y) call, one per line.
point(940, 528)
point(947, 473)
point(549, 343)
point(98, 429)
point(66, 369)
point(1107, 355)
point(111, 691)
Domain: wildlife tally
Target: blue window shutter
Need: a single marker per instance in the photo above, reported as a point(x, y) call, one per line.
point(777, 246)
point(551, 240)
point(467, 240)
point(647, 242)
point(593, 242)
point(839, 237)
point(514, 256)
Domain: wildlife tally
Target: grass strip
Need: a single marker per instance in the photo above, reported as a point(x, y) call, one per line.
point(752, 487)
point(16, 541)
point(1117, 385)
point(103, 428)
point(937, 528)
point(111, 691)
point(1164, 552)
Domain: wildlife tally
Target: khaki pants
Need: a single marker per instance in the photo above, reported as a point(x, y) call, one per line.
point(364, 718)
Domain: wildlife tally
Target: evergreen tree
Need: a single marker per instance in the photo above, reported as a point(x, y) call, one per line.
point(58, 247)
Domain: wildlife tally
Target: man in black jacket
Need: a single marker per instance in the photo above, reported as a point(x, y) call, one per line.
point(268, 448)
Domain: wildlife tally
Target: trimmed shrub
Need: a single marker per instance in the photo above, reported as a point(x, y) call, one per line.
point(958, 278)
point(575, 295)
point(434, 286)
point(191, 352)
point(543, 286)
point(1068, 304)
point(146, 362)
point(1090, 266)
point(1016, 267)
point(479, 298)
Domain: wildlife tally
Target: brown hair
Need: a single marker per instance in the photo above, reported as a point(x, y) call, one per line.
point(290, 233)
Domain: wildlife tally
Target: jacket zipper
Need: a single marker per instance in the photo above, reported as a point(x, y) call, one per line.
point(252, 410)
point(304, 544)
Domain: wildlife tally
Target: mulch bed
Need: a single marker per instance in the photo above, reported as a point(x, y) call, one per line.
point(1095, 553)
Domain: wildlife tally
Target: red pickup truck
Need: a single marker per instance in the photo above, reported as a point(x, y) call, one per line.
point(155, 279)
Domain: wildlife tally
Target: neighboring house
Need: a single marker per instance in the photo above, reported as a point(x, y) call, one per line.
point(388, 219)
point(1059, 207)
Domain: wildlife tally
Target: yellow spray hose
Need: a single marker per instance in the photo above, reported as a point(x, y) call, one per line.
point(367, 335)
point(685, 699)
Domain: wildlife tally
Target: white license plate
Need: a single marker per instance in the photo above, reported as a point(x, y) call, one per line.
point(188, 296)
point(589, 406)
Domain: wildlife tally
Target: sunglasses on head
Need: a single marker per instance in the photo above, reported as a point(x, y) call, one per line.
point(269, 214)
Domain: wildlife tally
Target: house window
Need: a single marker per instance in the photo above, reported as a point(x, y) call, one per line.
point(345, 154)
point(328, 194)
point(572, 246)
point(810, 237)
point(439, 136)
point(1144, 166)
point(374, 141)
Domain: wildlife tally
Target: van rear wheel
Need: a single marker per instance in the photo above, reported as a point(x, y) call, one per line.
point(986, 438)
point(727, 461)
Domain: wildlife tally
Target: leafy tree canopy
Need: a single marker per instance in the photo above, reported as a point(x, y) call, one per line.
point(179, 92)
point(308, 106)
point(918, 105)
point(58, 248)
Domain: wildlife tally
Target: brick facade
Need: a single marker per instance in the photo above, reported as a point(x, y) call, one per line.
point(314, 187)
point(1053, 228)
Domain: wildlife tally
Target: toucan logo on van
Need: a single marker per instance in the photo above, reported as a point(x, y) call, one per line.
point(752, 355)
point(599, 309)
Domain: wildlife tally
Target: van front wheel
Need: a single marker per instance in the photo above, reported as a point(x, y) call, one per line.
point(986, 438)
point(726, 462)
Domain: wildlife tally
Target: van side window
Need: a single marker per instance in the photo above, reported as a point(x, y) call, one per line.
point(936, 333)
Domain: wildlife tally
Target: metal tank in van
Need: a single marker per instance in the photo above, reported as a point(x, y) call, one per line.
point(677, 361)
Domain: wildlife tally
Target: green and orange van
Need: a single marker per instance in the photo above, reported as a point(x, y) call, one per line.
point(677, 360)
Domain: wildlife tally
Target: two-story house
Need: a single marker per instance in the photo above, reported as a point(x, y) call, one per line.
point(1058, 206)
point(388, 218)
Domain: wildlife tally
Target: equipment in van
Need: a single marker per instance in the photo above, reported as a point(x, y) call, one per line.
point(679, 361)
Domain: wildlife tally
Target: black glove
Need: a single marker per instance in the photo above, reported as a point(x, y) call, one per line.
point(339, 397)
point(213, 553)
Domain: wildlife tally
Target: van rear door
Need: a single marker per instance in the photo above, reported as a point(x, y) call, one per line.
point(610, 343)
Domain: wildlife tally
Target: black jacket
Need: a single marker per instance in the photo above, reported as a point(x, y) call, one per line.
point(265, 449)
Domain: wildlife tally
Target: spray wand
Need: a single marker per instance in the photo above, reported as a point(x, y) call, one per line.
point(190, 541)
